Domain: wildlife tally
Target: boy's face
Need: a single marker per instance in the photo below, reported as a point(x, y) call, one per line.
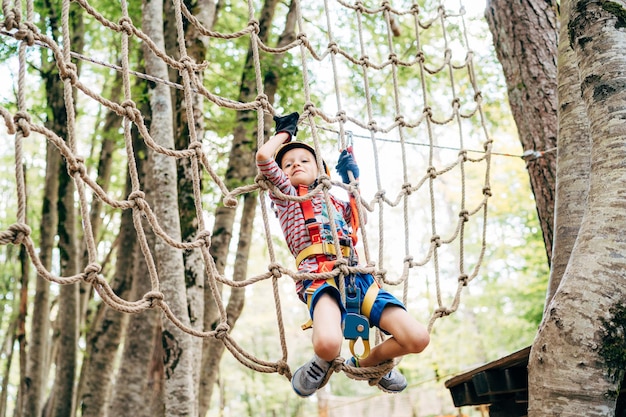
point(300, 166)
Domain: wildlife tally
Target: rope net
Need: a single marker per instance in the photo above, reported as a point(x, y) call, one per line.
point(409, 149)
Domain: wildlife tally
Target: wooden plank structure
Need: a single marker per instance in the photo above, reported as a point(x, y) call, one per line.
point(503, 384)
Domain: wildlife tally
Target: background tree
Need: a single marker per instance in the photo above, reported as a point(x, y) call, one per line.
point(577, 361)
point(525, 38)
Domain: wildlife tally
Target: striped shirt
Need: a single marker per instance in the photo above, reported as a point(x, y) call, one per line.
point(291, 219)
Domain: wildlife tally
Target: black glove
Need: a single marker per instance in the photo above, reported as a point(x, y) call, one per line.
point(288, 124)
point(347, 163)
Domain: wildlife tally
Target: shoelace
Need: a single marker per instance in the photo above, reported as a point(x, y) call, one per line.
point(315, 372)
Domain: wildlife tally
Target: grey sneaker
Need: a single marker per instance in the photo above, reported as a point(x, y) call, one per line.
point(308, 378)
point(393, 382)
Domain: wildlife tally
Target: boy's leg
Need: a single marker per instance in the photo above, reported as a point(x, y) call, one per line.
point(408, 336)
point(327, 338)
point(327, 334)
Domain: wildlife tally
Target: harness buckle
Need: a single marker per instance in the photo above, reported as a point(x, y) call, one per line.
point(356, 326)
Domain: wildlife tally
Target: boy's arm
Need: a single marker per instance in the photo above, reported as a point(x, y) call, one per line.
point(268, 149)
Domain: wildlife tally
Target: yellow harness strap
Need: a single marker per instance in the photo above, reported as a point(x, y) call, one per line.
point(320, 249)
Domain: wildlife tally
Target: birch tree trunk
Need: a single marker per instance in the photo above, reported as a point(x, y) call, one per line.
point(180, 398)
point(195, 274)
point(525, 38)
point(576, 362)
point(574, 148)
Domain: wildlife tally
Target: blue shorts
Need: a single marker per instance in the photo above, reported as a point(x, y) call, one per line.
point(362, 281)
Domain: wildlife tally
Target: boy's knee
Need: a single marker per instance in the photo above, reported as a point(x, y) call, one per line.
point(418, 341)
point(327, 348)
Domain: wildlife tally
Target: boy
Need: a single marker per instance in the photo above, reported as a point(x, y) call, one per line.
point(292, 167)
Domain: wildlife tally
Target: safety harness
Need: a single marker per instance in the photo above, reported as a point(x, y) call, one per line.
point(356, 323)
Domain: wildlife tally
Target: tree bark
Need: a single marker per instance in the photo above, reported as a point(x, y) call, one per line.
point(180, 394)
point(525, 38)
point(241, 169)
point(37, 368)
point(195, 274)
point(576, 362)
point(109, 325)
point(574, 149)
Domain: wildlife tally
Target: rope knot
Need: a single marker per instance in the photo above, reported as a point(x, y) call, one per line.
point(309, 106)
point(205, 235)
point(22, 120)
point(26, 32)
point(371, 125)
point(126, 24)
point(130, 108)
point(463, 279)
point(188, 63)
point(420, 57)
point(463, 155)
point(487, 145)
point(69, 72)
point(364, 61)
point(380, 195)
point(408, 259)
point(92, 272)
point(428, 111)
point(19, 232)
point(196, 146)
point(76, 166)
point(464, 214)
point(254, 24)
point(393, 57)
point(478, 97)
point(432, 172)
point(154, 298)
point(138, 199)
point(274, 268)
point(456, 104)
point(342, 116)
point(400, 120)
point(333, 47)
point(342, 266)
point(407, 188)
point(12, 19)
point(230, 201)
point(264, 102)
point(326, 182)
point(282, 368)
point(436, 239)
point(302, 38)
point(487, 191)
point(221, 331)
point(442, 312)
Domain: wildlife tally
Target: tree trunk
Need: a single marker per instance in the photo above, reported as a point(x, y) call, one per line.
point(574, 148)
point(106, 332)
point(37, 368)
point(133, 386)
point(180, 394)
point(63, 395)
point(525, 38)
point(195, 273)
point(241, 169)
point(576, 362)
